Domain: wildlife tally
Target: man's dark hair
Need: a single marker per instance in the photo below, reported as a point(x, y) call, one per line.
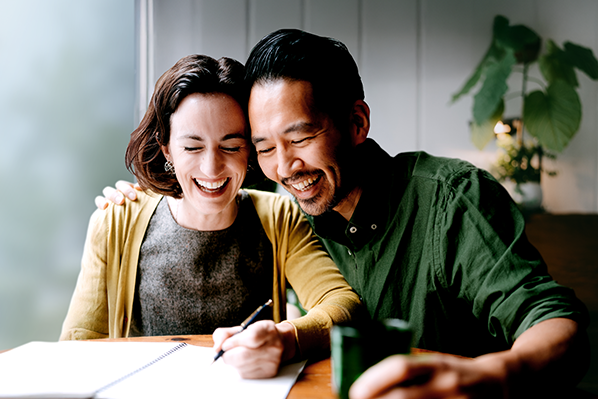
point(324, 62)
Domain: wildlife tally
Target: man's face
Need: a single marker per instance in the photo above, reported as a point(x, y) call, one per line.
point(297, 147)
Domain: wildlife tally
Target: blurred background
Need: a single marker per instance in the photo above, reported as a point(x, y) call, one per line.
point(67, 91)
point(75, 77)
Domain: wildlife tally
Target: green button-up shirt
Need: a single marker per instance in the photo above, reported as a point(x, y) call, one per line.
point(440, 243)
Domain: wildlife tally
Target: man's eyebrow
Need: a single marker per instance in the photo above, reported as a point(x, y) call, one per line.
point(256, 140)
point(299, 126)
point(295, 127)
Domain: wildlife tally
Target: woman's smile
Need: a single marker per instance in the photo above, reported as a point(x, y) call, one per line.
point(209, 150)
point(212, 187)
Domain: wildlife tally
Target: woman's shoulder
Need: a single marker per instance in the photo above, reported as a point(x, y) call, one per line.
point(132, 217)
point(279, 212)
point(146, 203)
point(271, 200)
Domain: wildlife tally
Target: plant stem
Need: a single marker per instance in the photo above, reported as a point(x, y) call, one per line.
point(521, 125)
point(540, 153)
point(523, 89)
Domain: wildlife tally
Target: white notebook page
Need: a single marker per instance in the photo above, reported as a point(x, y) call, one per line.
point(78, 369)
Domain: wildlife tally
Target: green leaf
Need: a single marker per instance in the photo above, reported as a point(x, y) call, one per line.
point(554, 65)
point(499, 24)
point(523, 41)
point(487, 100)
point(470, 82)
point(553, 117)
point(522, 35)
point(482, 134)
point(582, 58)
point(492, 54)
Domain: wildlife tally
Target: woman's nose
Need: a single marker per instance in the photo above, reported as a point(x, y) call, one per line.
point(212, 163)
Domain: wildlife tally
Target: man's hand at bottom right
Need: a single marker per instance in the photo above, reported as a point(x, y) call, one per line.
point(430, 376)
point(545, 360)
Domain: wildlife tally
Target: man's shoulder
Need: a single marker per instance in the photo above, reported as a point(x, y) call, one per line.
point(422, 165)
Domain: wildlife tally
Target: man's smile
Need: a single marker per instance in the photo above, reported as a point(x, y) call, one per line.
point(306, 184)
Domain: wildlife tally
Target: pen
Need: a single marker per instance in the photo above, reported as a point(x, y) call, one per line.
point(252, 317)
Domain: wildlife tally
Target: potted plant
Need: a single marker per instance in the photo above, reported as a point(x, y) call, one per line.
point(519, 166)
point(551, 113)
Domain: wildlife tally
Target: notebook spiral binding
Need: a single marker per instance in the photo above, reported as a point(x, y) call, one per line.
point(170, 352)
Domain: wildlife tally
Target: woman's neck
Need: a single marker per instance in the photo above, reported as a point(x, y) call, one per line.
point(190, 218)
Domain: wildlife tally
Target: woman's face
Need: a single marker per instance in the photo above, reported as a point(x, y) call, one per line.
point(209, 150)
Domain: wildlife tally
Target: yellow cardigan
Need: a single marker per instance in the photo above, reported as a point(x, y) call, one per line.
point(103, 299)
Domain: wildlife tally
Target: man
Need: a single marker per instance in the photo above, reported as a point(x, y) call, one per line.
point(434, 241)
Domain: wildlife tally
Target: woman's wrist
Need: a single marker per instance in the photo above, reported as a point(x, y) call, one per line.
point(288, 336)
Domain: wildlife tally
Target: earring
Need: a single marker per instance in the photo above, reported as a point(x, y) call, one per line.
point(169, 167)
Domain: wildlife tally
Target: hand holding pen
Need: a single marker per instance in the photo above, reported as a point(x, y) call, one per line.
point(252, 317)
point(260, 350)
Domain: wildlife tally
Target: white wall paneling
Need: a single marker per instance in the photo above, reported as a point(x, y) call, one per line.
point(266, 16)
point(389, 61)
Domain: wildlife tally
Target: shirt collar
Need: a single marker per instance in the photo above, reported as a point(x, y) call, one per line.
point(371, 212)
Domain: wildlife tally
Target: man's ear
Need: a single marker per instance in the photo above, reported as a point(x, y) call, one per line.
point(360, 122)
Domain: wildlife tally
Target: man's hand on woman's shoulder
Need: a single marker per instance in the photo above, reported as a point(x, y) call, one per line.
point(117, 195)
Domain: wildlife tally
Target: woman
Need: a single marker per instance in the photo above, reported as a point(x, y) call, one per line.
point(195, 252)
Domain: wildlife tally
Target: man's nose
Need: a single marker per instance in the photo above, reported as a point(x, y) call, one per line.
point(288, 162)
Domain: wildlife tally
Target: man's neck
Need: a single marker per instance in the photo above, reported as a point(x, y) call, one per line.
point(347, 206)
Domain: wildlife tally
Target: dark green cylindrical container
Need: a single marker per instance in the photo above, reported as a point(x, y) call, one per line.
point(356, 348)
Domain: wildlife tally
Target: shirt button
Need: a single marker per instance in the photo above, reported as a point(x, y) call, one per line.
point(374, 227)
point(353, 229)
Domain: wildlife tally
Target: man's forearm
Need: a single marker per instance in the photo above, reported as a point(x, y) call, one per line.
point(553, 353)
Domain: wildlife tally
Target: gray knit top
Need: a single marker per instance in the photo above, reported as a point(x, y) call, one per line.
point(191, 282)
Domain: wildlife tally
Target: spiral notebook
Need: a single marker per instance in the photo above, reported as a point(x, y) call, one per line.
point(112, 370)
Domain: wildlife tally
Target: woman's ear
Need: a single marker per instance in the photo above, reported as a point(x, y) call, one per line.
point(360, 122)
point(166, 152)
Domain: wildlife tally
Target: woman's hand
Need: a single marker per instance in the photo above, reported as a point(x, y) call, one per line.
point(117, 196)
point(258, 351)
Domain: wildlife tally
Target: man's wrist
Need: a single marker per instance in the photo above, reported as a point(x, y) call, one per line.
point(505, 368)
